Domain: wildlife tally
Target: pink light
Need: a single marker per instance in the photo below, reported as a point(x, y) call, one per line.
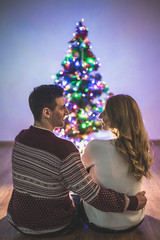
point(101, 85)
point(74, 106)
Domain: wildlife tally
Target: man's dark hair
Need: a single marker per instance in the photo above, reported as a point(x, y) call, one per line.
point(44, 96)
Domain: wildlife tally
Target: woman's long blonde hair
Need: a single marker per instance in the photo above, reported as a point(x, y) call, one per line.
point(132, 139)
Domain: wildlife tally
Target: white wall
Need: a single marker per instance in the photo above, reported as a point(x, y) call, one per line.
point(34, 35)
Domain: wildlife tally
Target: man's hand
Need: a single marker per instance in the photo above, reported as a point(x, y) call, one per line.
point(142, 200)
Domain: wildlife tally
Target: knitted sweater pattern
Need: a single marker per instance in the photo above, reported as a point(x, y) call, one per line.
point(45, 168)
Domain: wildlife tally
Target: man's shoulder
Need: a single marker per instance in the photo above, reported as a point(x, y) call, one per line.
point(67, 144)
point(47, 141)
point(21, 134)
point(60, 147)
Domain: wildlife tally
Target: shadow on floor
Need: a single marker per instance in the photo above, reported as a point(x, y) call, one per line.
point(149, 229)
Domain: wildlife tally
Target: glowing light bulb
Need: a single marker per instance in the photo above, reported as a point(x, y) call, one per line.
point(90, 60)
point(67, 87)
point(69, 118)
point(68, 55)
point(86, 90)
point(85, 137)
point(67, 104)
point(74, 106)
point(75, 89)
point(83, 125)
point(72, 114)
point(53, 76)
point(64, 83)
point(77, 63)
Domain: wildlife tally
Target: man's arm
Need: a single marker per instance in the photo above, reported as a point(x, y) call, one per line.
point(75, 178)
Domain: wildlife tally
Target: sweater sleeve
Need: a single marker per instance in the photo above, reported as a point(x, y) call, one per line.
point(75, 178)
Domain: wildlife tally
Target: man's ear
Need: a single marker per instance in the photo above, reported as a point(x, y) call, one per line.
point(46, 112)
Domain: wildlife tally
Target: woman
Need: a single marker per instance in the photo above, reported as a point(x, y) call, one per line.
point(119, 163)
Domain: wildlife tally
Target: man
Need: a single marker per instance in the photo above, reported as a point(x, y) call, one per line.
point(46, 168)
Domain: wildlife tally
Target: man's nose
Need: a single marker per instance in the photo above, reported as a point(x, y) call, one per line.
point(66, 111)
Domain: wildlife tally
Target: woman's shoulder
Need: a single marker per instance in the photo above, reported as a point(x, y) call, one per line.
point(98, 143)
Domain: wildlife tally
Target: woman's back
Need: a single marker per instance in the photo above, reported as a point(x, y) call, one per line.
point(110, 170)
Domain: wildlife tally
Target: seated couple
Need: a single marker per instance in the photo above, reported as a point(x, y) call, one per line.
point(46, 168)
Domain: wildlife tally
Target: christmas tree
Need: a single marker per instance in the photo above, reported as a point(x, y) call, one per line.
point(83, 88)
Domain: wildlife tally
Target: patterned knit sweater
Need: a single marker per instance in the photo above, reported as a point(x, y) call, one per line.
point(45, 168)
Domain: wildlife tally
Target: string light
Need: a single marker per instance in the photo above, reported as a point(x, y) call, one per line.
point(75, 107)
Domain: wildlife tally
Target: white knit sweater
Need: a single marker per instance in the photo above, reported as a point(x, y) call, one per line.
point(110, 170)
